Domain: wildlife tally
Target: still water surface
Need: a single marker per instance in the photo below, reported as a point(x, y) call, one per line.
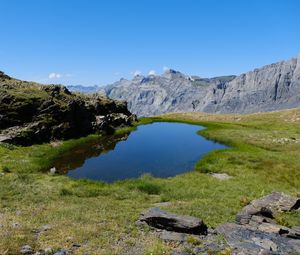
point(160, 149)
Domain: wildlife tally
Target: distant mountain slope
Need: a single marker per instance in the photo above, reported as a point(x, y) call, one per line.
point(83, 89)
point(272, 87)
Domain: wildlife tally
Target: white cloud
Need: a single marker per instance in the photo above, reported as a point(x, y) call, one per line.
point(54, 76)
point(136, 73)
point(165, 68)
point(152, 72)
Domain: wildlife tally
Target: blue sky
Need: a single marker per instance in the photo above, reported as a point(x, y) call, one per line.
point(97, 42)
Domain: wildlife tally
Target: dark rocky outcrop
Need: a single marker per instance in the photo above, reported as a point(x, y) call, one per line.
point(158, 218)
point(272, 87)
point(268, 206)
point(245, 240)
point(256, 232)
point(33, 113)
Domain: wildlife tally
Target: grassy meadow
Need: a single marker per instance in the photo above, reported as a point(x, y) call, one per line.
point(264, 156)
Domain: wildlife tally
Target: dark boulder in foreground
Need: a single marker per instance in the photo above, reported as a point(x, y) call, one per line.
point(158, 218)
point(33, 113)
point(268, 206)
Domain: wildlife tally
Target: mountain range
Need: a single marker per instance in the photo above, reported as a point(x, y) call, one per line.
point(272, 87)
point(83, 89)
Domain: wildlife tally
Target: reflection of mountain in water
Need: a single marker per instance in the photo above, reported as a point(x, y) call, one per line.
point(77, 156)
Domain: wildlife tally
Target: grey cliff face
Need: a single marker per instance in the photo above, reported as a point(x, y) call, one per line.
point(272, 87)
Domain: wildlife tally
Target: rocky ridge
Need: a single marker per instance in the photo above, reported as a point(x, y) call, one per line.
point(33, 113)
point(272, 87)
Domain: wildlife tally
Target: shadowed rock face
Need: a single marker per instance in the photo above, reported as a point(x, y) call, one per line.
point(272, 87)
point(33, 113)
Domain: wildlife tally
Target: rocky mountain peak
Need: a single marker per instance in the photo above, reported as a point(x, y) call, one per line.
point(272, 87)
point(138, 78)
point(173, 74)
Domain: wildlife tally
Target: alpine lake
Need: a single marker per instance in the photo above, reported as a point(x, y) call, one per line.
point(161, 149)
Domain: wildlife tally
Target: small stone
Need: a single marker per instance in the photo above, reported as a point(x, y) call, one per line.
point(52, 170)
point(48, 251)
point(76, 245)
point(15, 224)
point(26, 249)
point(61, 252)
point(35, 231)
point(69, 238)
point(221, 176)
point(45, 227)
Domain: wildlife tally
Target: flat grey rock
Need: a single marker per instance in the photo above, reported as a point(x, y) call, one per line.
point(4, 138)
point(172, 236)
point(26, 249)
point(157, 218)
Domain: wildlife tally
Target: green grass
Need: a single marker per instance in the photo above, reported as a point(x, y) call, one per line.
point(36, 158)
point(101, 217)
